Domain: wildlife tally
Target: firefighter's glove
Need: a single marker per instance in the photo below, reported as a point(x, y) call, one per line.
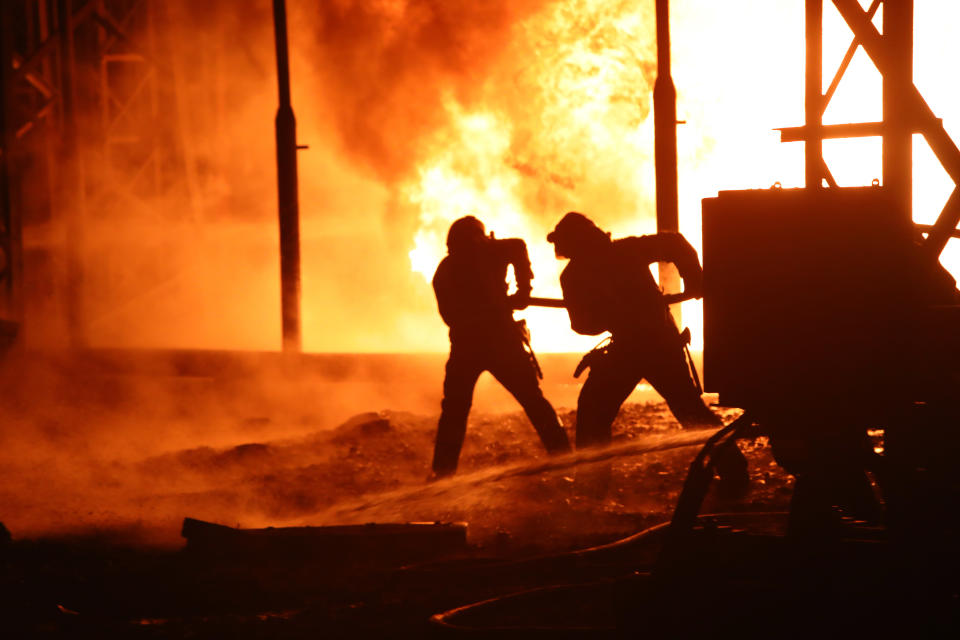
point(520, 300)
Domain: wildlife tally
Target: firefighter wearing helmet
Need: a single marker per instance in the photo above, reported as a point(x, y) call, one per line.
point(608, 286)
point(472, 296)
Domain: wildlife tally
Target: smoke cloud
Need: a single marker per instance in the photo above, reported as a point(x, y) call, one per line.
point(387, 68)
point(527, 99)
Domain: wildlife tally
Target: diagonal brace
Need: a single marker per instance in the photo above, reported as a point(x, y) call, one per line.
point(847, 59)
point(932, 129)
point(945, 227)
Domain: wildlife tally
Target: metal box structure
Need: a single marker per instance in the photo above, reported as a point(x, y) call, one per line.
point(806, 292)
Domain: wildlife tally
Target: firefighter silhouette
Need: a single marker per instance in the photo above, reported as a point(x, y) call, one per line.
point(472, 296)
point(607, 286)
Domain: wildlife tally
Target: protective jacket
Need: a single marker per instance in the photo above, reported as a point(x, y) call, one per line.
point(471, 289)
point(612, 288)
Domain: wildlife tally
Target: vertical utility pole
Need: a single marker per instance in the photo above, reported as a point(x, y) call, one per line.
point(665, 145)
point(73, 185)
point(813, 98)
point(9, 223)
point(286, 129)
point(898, 117)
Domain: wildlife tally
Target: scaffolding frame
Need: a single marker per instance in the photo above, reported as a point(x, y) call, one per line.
point(905, 112)
point(61, 60)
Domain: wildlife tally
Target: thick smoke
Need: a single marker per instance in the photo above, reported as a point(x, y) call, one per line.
point(387, 68)
point(123, 446)
point(182, 250)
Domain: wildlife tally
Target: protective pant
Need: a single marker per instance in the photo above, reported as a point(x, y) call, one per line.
point(510, 365)
point(615, 375)
point(613, 378)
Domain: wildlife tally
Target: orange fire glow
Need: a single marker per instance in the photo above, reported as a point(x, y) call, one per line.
point(567, 123)
point(418, 112)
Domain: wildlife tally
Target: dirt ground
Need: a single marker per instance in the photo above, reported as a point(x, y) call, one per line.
point(94, 520)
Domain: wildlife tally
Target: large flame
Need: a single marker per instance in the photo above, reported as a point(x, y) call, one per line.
point(563, 126)
point(566, 123)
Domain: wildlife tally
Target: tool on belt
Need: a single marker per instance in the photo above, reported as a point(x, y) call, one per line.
point(599, 351)
point(685, 340)
point(525, 338)
point(604, 346)
point(593, 356)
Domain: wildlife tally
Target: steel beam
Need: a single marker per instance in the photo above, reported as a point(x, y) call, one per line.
point(945, 226)
point(847, 59)
point(9, 226)
point(898, 123)
point(73, 186)
point(932, 129)
point(846, 130)
point(927, 228)
point(53, 71)
point(813, 95)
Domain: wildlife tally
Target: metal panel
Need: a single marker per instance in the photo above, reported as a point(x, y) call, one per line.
point(803, 293)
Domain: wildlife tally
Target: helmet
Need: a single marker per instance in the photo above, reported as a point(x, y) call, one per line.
point(575, 230)
point(464, 233)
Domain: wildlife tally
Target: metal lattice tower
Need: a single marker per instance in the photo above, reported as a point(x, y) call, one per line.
point(905, 112)
point(79, 80)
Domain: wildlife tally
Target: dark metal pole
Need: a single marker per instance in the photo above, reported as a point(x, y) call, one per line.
point(897, 115)
point(289, 206)
point(665, 143)
point(813, 167)
point(9, 229)
point(73, 182)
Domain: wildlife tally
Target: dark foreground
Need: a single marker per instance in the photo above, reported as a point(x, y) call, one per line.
point(738, 577)
point(97, 486)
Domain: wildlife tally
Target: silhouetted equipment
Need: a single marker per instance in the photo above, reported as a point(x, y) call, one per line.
point(387, 544)
point(286, 130)
point(806, 295)
point(528, 347)
point(827, 313)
